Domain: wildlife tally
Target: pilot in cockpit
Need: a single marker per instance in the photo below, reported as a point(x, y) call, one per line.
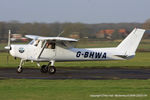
point(50, 45)
point(36, 42)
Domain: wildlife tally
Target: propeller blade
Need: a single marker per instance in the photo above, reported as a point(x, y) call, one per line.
point(9, 34)
point(8, 47)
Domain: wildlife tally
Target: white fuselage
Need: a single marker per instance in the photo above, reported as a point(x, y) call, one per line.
point(31, 52)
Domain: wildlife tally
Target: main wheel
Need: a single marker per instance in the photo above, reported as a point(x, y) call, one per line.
point(52, 70)
point(19, 69)
point(44, 69)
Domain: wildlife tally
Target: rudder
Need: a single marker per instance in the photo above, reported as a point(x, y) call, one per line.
point(131, 42)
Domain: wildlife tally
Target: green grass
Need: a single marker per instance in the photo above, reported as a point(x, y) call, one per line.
point(142, 59)
point(2, 45)
point(22, 89)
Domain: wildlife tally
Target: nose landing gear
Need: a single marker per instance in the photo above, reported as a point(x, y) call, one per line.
point(19, 68)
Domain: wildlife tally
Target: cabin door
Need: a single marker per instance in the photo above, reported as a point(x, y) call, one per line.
point(49, 50)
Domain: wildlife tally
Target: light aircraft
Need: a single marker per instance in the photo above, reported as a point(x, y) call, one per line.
point(60, 49)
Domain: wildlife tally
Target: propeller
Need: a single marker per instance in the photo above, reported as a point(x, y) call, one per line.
point(8, 47)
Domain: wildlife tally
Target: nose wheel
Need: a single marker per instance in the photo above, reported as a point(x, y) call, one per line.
point(19, 68)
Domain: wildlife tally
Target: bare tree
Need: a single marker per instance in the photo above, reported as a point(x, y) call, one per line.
point(146, 25)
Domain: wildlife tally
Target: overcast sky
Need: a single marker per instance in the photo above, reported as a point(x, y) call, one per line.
point(86, 11)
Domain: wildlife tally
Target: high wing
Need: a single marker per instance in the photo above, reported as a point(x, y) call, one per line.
point(57, 39)
point(50, 38)
point(34, 37)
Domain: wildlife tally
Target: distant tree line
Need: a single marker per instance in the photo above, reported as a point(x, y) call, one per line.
point(146, 25)
point(53, 29)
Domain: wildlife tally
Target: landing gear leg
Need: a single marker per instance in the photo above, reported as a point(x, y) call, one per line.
point(51, 69)
point(20, 69)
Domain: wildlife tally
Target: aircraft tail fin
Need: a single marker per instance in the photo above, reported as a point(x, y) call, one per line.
point(131, 42)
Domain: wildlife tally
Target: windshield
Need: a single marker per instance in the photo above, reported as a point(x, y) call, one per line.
point(31, 42)
point(34, 42)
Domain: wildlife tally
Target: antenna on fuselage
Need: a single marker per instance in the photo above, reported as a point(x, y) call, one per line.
point(60, 33)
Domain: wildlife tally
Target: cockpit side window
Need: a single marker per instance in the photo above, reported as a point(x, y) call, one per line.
point(50, 45)
point(66, 44)
point(53, 45)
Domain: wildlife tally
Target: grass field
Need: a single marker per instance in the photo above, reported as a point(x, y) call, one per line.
point(72, 89)
point(32, 89)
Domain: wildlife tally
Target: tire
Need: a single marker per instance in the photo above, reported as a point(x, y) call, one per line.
point(52, 70)
point(19, 70)
point(44, 69)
